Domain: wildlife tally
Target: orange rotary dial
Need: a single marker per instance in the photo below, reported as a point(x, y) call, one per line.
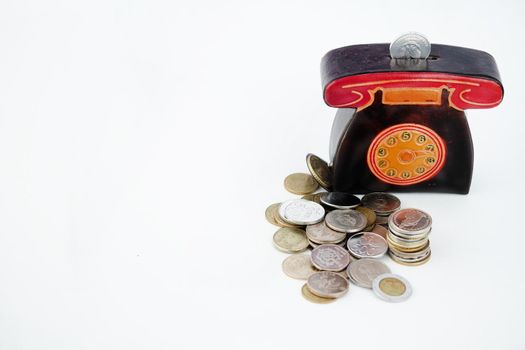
point(406, 154)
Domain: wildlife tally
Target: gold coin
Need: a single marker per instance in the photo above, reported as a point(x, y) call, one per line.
point(298, 266)
point(317, 197)
point(320, 170)
point(300, 183)
point(402, 249)
point(407, 248)
point(314, 298)
point(392, 286)
point(290, 240)
point(370, 215)
point(271, 213)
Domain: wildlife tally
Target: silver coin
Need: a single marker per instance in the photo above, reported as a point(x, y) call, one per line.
point(346, 220)
point(330, 257)
point(382, 220)
point(301, 212)
point(410, 45)
point(321, 234)
point(367, 245)
point(341, 244)
point(410, 221)
point(298, 266)
point(363, 271)
point(392, 288)
point(382, 203)
point(340, 200)
point(327, 284)
point(411, 257)
point(406, 239)
point(313, 244)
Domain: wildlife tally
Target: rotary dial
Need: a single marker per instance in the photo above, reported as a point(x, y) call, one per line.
point(406, 154)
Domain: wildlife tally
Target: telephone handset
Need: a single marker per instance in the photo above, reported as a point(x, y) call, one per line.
point(400, 124)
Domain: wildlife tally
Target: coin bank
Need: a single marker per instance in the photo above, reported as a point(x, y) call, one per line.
point(400, 123)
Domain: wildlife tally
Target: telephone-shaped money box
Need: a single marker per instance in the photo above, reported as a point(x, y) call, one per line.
point(400, 124)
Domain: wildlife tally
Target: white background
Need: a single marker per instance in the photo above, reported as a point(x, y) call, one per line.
point(141, 141)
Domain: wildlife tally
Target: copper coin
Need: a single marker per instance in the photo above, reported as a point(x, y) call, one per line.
point(380, 202)
point(410, 221)
point(380, 230)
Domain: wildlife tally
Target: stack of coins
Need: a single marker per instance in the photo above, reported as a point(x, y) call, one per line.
point(346, 235)
point(408, 231)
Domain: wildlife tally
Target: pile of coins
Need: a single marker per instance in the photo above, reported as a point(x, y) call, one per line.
point(408, 231)
point(347, 237)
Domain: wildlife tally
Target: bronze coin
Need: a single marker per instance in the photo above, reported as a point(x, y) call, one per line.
point(300, 183)
point(320, 170)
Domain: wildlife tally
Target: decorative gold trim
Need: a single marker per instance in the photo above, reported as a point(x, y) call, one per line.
point(403, 80)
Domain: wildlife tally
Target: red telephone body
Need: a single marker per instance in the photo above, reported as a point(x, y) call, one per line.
point(400, 124)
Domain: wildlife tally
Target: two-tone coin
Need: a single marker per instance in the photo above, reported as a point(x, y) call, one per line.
point(367, 245)
point(330, 257)
point(298, 266)
point(327, 284)
point(300, 183)
point(363, 271)
point(346, 220)
point(340, 200)
point(321, 234)
point(320, 171)
point(301, 212)
point(383, 204)
point(290, 240)
point(392, 288)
